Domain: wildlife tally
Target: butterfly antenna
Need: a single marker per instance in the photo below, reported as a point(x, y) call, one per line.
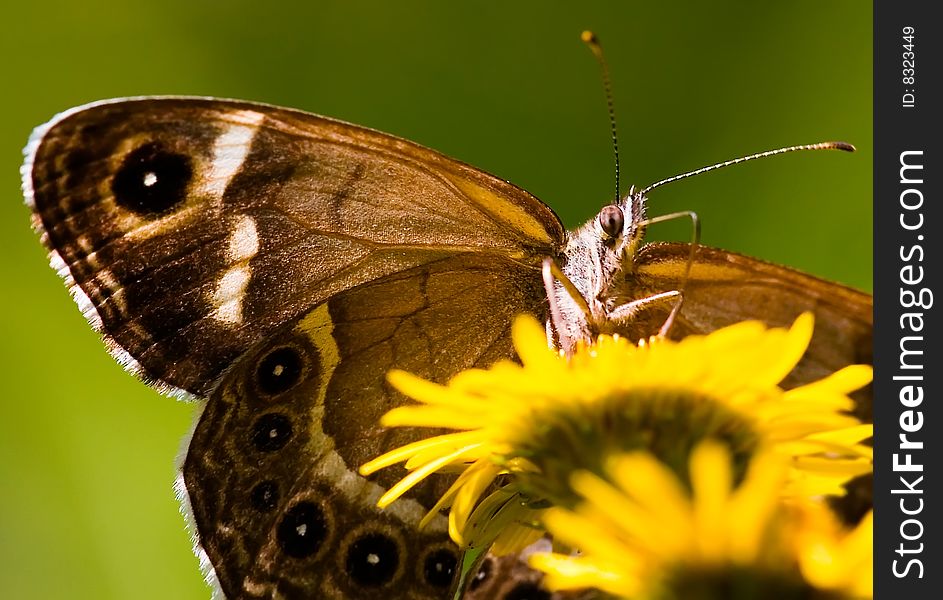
point(589, 38)
point(820, 146)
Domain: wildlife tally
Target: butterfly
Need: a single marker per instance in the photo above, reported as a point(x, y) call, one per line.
point(275, 265)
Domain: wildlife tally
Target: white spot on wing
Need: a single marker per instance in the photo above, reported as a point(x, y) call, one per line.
point(244, 241)
point(229, 292)
point(230, 151)
point(231, 288)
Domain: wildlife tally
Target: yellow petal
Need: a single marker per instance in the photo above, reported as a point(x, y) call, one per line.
point(711, 480)
point(468, 495)
point(515, 537)
point(568, 573)
point(843, 381)
point(530, 342)
point(752, 505)
point(405, 452)
point(404, 484)
point(452, 417)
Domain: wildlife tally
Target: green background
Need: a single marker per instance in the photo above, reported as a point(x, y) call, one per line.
point(87, 453)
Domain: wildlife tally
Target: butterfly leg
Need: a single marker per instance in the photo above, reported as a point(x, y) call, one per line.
point(551, 271)
point(695, 241)
point(626, 313)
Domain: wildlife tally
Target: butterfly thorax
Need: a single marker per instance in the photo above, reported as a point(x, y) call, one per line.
point(596, 262)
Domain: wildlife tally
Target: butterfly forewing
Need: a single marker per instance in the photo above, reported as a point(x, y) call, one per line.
point(193, 228)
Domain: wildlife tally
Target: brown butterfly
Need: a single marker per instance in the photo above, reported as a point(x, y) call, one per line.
point(275, 265)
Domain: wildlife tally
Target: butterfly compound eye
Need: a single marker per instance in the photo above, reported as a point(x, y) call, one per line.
point(611, 220)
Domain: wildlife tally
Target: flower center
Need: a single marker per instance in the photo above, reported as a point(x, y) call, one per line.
point(732, 582)
point(668, 423)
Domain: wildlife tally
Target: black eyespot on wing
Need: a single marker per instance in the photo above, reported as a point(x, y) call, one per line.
point(528, 591)
point(152, 180)
point(483, 574)
point(271, 432)
point(439, 567)
point(279, 371)
point(264, 496)
point(611, 220)
point(372, 560)
point(302, 530)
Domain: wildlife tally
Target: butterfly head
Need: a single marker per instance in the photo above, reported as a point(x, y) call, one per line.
point(618, 229)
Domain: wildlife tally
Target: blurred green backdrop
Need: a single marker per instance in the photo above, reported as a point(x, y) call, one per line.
point(87, 453)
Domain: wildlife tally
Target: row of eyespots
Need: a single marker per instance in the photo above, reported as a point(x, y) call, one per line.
point(272, 431)
point(303, 527)
point(372, 559)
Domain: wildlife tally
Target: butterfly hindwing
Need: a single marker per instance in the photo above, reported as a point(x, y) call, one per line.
point(278, 444)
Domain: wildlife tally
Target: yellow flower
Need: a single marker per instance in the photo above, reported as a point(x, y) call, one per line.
point(832, 559)
point(549, 416)
point(645, 536)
